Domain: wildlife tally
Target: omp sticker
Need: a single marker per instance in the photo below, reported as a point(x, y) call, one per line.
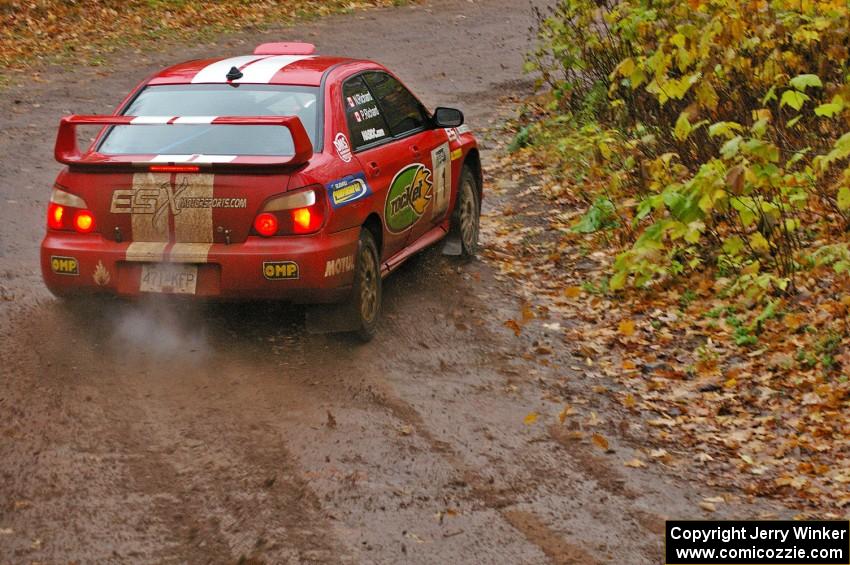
point(216, 72)
point(408, 196)
point(263, 70)
point(64, 265)
point(339, 266)
point(347, 190)
point(280, 270)
point(343, 149)
point(442, 179)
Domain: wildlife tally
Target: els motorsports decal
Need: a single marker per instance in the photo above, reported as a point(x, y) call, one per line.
point(64, 265)
point(342, 147)
point(280, 270)
point(408, 197)
point(348, 189)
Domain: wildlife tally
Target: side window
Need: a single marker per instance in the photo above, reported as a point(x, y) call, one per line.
point(403, 112)
point(366, 125)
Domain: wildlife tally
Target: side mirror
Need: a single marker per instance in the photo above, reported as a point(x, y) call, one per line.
point(448, 118)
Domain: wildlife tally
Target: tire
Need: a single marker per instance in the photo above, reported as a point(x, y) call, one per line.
point(366, 291)
point(467, 214)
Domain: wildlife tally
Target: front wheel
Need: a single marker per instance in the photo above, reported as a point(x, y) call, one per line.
point(366, 297)
point(467, 213)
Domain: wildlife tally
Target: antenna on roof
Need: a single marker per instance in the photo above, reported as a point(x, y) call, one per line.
point(233, 74)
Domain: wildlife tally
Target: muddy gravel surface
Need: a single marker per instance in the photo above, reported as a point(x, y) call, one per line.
point(166, 431)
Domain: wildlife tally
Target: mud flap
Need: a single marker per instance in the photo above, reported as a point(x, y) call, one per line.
point(452, 244)
point(331, 318)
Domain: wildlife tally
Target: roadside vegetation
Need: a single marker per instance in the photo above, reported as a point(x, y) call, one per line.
point(35, 32)
point(693, 161)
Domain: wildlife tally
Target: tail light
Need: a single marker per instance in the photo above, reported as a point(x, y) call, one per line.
point(68, 211)
point(266, 224)
point(83, 221)
point(295, 213)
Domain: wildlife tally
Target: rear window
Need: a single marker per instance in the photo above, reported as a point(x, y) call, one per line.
point(214, 100)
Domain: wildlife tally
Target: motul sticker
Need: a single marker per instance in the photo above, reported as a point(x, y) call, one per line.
point(342, 147)
point(348, 190)
point(339, 266)
point(408, 197)
point(280, 270)
point(64, 265)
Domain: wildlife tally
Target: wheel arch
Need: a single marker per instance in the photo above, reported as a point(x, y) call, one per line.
point(473, 161)
point(375, 226)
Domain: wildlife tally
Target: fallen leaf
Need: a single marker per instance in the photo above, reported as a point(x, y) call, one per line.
point(513, 325)
point(629, 401)
point(572, 291)
point(530, 418)
point(635, 463)
point(627, 327)
point(563, 414)
point(707, 506)
point(600, 441)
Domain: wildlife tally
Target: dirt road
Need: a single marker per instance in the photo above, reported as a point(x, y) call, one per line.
point(163, 432)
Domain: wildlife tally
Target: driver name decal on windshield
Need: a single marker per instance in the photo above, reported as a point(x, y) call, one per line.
point(408, 197)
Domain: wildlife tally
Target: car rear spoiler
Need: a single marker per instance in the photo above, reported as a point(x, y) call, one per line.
point(68, 152)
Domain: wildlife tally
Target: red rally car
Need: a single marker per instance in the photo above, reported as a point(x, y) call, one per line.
point(277, 175)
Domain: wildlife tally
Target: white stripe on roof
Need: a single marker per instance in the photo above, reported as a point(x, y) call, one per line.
point(263, 71)
point(217, 72)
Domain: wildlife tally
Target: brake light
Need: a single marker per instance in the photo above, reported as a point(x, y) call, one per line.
point(297, 212)
point(174, 168)
point(83, 221)
point(266, 224)
point(55, 212)
point(301, 219)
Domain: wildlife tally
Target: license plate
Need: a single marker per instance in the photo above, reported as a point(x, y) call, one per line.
point(169, 278)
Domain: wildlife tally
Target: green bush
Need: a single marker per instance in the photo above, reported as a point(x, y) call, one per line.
point(724, 123)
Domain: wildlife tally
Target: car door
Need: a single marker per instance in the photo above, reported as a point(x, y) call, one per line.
point(376, 151)
point(419, 192)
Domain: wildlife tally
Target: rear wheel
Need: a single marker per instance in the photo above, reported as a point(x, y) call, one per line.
point(366, 297)
point(467, 213)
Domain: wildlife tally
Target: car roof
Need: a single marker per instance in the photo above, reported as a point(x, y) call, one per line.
point(295, 69)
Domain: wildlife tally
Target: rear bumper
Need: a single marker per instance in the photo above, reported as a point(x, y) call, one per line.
point(259, 268)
